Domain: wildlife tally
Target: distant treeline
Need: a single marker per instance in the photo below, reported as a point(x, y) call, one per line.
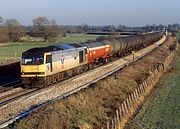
point(44, 29)
point(12, 31)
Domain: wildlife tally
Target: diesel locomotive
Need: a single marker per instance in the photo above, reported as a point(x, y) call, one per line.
point(47, 65)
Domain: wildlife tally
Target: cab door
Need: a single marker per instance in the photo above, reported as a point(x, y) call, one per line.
point(81, 57)
point(48, 64)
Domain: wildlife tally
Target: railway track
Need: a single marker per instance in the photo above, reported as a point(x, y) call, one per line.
point(10, 85)
point(15, 96)
point(13, 91)
point(15, 107)
point(9, 89)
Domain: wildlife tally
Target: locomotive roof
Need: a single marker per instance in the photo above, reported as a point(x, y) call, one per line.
point(42, 50)
point(68, 46)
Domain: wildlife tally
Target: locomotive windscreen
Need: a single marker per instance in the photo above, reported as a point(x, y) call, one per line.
point(32, 59)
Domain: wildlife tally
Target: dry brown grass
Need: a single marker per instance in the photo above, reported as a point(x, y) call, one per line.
point(92, 107)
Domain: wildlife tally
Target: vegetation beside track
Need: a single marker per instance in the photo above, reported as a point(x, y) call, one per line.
point(92, 107)
point(162, 109)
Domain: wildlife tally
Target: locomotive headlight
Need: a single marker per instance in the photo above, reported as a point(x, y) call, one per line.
point(42, 73)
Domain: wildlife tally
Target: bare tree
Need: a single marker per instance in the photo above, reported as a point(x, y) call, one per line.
point(4, 37)
point(41, 26)
point(84, 27)
point(44, 28)
point(4, 34)
point(54, 29)
point(15, 29)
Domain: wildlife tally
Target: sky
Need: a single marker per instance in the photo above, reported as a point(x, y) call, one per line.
point(94, 12)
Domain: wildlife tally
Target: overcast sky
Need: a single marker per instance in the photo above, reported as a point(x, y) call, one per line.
point(94, 12)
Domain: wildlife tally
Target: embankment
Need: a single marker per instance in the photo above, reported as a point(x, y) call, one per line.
point(161, 110)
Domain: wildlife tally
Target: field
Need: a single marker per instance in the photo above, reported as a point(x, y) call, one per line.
point(12, 50)
point(162, 108)
point(178, 36)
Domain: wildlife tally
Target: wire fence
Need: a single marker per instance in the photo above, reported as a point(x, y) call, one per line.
point(135, 99)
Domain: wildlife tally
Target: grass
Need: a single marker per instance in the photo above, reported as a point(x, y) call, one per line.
point(162, 109)
point(11, 50)
point(87, 109)
point(78, 38)
point(178, 36)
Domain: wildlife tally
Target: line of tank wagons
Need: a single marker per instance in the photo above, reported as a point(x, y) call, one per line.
point(47, 65)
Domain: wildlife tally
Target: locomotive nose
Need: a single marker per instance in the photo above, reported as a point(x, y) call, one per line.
point(32, 70)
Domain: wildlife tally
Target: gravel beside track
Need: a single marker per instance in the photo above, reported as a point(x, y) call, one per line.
point(14, 90)
point(15, 108)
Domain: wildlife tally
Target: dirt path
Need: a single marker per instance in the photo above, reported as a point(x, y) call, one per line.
point(162, 109)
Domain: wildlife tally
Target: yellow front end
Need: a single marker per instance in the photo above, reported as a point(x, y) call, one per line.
point(33, 70)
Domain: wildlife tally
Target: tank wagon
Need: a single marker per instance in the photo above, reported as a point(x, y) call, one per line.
point(47, 65)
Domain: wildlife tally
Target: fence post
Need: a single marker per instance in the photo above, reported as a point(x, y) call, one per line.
point(140, 87)
point(115, 122)
point(117, 116)
point(112, 124)
point(132, 97)
point(120, 113)
point(135, 99)
point(128, 103)
point(123, 109)
point(125, 106)
point(108, 125)
point(136, 93)
point(149, 82)
point(144, 88)
point(139, 90)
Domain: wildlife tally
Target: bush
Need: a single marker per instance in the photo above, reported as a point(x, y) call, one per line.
point(4, 37)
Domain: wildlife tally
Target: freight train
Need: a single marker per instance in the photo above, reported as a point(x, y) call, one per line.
point(47, 65)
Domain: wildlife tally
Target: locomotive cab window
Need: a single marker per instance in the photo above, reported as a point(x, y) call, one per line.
point(48, 59)
point(32, 60)
point(85, 51)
